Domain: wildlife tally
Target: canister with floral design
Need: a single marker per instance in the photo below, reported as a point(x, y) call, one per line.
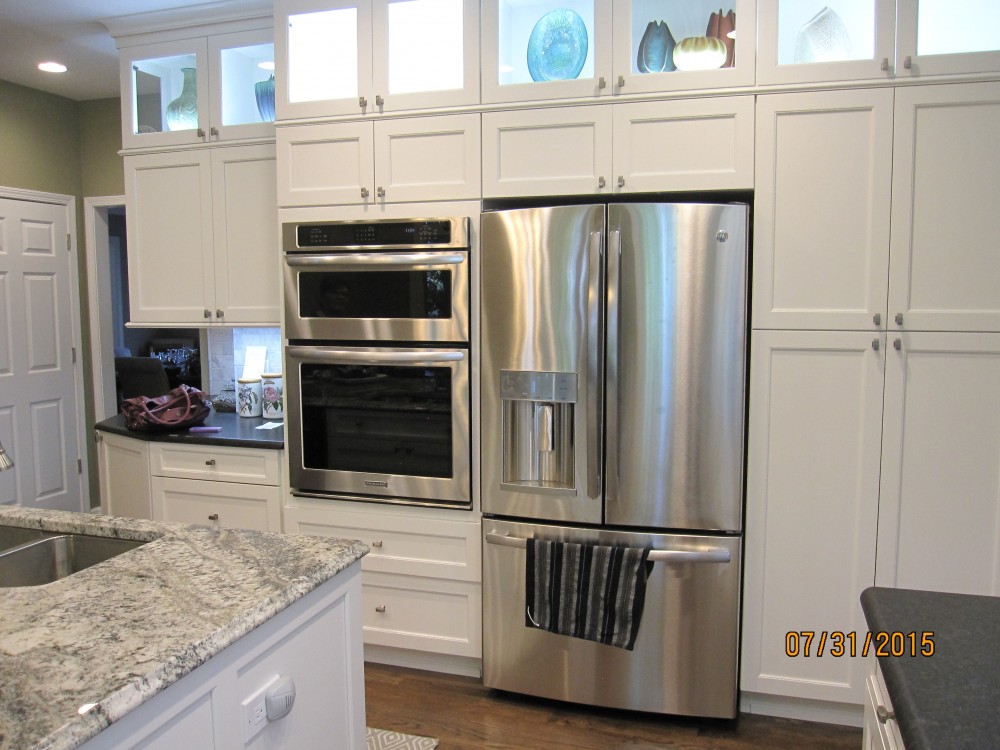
point(272, 395)
point(248, 402)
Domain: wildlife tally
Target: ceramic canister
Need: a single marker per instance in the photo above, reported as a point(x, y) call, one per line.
point(248, 400)
point(272, 395)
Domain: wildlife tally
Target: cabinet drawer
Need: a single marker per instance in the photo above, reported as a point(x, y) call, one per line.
point(410, 545)
point(422, 614)
point(217, 463)
point(242, 506)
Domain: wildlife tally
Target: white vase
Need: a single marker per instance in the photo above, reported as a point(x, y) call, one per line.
point(248, 398)
point(272, 396)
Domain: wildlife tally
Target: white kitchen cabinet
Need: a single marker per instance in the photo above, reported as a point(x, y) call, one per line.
point(945, 227)
point(815, 416)
point(195, 90)
point(202, 236)
point(387, 161)
point(365, 57)
point(422, 579)
point(623, 148)
point(822, 208)
point(947, 36)
point(123, 469)
point(881, 731)
point(315, 641)
point(940, 486)
point(216, 485)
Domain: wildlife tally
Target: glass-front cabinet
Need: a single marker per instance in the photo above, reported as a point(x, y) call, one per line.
point(358, 57)
point(552, 49)
point(198, 90)
point(948, 36)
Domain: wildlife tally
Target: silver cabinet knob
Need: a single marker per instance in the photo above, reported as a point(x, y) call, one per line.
point(885, 65)
point(201, 132)
point(380, 192)
point(899, 319)
point(907, 62)
point(601, 182)
point(210, 462)
point(377, 543)
point(213, 517)
point(875, 344)
point(621, 181)
point(208, 313)
point(877, 319)
point(379, 101)
point(364, 192)
point(362, 102)
point(897, 344)
point(219, 313)
point(214, 131)
point(621, 82)
point(380, 608)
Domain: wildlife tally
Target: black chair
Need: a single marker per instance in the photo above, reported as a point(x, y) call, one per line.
point(140, 376)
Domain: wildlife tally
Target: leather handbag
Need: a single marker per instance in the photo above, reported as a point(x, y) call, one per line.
point(179, 409)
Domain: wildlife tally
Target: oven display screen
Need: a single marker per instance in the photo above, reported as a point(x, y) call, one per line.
point(359, 234)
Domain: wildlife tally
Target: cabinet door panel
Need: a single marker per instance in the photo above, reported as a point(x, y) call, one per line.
point(235, 506)
point(821, 227)
point(946, 229)
point(123, 464)
point(812, 506)
point(170, 256)
point(948, 36)
point(247, 266)
point(939, 512)
point(326, 164)
point(547, 152)
point(426, 158)
point(705, 144)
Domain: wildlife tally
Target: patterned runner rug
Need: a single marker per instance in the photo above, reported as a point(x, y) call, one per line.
point(380, 739)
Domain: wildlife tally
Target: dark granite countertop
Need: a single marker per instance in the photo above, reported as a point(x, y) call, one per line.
point(948, 701)
point(238, 432)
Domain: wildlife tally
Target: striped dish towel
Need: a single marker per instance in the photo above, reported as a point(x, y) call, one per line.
point(586, 590)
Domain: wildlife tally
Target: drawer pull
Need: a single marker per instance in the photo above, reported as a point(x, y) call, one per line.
point(380, 608)
point(210, 462)
point(377, 543)
point(213, 517)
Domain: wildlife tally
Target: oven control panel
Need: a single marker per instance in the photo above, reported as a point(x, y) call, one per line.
point(390, 233)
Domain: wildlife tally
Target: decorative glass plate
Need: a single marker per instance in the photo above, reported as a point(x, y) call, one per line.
point(557, 47)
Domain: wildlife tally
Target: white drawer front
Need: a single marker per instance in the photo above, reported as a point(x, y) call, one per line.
point(232, 506)
point(217, 464)
point(422, 614)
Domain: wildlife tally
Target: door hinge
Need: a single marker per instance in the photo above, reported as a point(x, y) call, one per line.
point(69, 243)
point(79, 466)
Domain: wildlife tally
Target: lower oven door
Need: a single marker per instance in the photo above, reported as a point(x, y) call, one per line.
point(685, 659)
point(381, 424)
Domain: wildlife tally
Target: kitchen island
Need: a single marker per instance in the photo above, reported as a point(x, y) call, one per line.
point(163, 644)
point(944, 682)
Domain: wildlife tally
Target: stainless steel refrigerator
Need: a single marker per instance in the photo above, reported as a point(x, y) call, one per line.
point(613, 404)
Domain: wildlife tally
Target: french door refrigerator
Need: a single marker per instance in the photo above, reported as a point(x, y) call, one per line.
point(613, 403)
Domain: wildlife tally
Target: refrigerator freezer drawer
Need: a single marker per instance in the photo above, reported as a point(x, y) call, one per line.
point(685, 659)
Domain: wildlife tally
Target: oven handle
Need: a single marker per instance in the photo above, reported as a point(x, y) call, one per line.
point(377, 259)
point(710, 555)
point(320, 354)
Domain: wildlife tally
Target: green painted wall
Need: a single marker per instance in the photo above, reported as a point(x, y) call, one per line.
point(101, 168)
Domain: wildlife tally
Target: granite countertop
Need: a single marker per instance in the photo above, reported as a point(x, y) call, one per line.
point(947, 701)
point(118, 633)
point(238, 432)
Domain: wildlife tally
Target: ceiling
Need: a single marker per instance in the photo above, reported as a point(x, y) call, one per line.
point(70, 32)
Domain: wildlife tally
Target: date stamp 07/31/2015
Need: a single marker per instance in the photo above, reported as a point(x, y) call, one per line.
point(838, 643)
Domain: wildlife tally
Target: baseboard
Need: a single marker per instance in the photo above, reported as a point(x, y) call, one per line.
point(465, 666)
point(825, 712)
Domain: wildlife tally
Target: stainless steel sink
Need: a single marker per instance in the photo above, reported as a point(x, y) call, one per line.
point(12, 536)
point(49, 559)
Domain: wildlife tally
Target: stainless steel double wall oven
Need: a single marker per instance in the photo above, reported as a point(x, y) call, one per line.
point(377, 319)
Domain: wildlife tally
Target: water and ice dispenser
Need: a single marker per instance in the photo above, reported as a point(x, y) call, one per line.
point(538, 416)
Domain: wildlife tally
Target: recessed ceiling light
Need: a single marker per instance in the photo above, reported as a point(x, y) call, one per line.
point(266, 65)
point(52, 67)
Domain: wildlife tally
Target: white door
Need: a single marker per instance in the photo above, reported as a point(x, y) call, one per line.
point(39, 419)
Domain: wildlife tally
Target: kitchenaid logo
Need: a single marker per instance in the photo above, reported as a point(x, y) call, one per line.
point(371, 483)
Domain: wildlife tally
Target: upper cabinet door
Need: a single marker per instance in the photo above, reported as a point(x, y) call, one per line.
point(545, 49)
point(801, 41)
point(241, 80)
point(673, 45)
point(165, 94)
point(948, 36)
point(425, 54)
point(325, 48)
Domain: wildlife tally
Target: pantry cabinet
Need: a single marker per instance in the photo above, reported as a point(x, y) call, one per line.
point(606, 150)
point(386, 161)
point(365, 57)
point(202, 236)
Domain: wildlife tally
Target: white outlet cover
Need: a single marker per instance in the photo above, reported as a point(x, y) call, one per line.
point(254, 713)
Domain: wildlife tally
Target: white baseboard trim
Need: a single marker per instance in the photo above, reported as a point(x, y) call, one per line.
point(824, 712)
point(465, 666)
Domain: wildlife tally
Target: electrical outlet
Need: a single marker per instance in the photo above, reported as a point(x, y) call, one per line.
point(255, 712)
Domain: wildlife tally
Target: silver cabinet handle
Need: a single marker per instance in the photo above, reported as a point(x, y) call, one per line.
point(214, 131)
point(897, 344)
point(600, 182)
point(379, 101)
point(210, 462)
point(621, 181)
point(416, 358)
point(377, 543)
point(899, 319)
point(907, 62)
point(601, 83)
point(213, 517)
point(877, 319)
point(201, 132)
point(875, 344)
point(362, 102)
point(219, 313)
point(885, 65)
point(613, 357)
point(702, 555)
point(364, 192)
point(208, 313)
point(884, 715)
point(380, 192)
point(595, 357)
point(621, 82)
point(380, 608)
point(98, 437)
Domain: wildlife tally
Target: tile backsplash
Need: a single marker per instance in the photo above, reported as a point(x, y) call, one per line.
point(226, 347)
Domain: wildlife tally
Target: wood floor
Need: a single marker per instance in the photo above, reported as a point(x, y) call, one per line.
point(464, 715)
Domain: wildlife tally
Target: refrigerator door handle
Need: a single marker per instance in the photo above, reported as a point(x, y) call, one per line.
point(706, 555)
point(595, 356)
point(614, 342)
